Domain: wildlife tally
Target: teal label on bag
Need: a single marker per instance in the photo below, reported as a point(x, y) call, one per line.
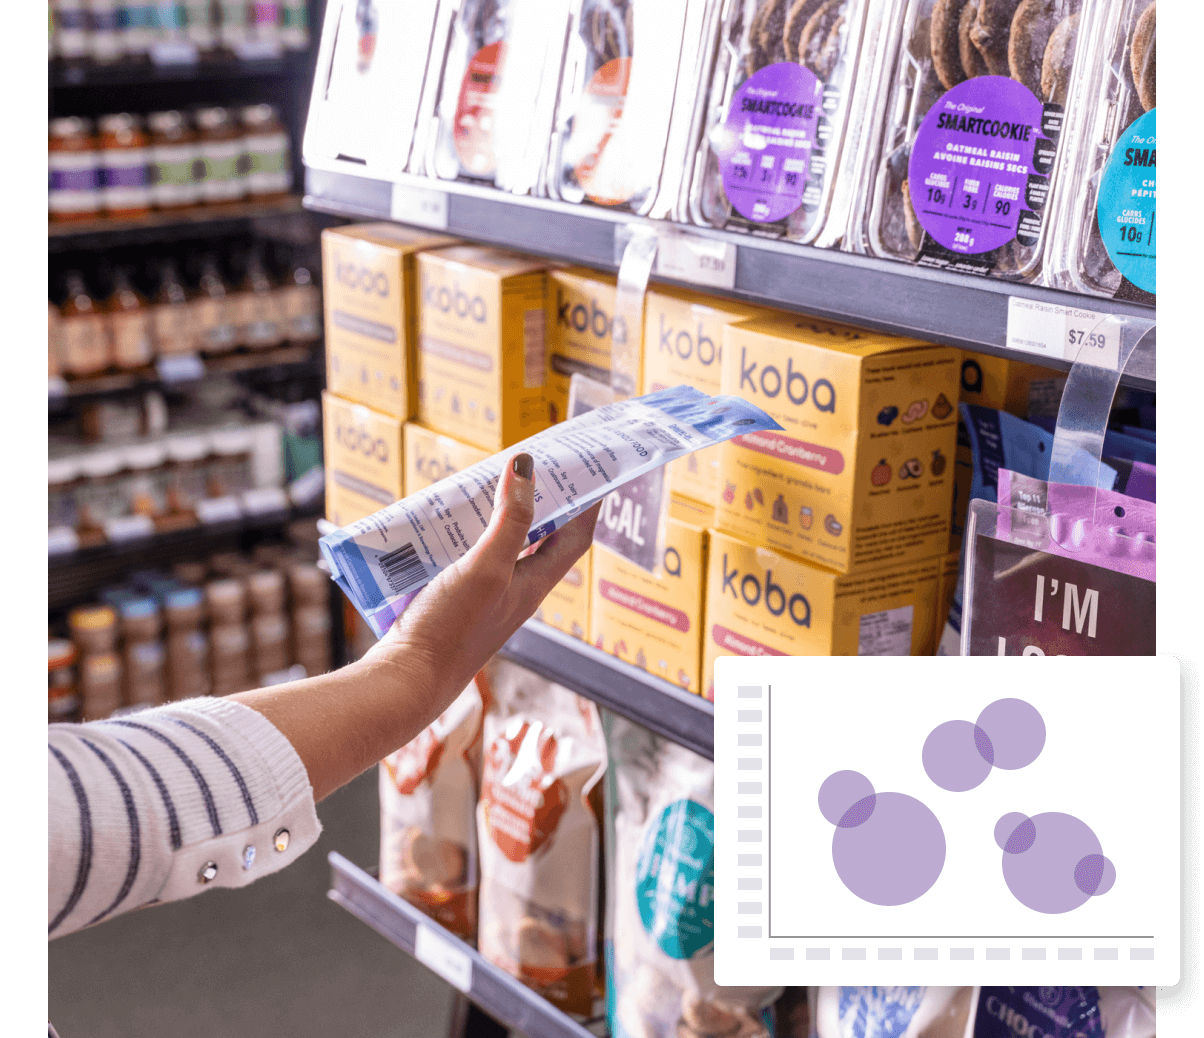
point(1127, 202)
point(675, 879)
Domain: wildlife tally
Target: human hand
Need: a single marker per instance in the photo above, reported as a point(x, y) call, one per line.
point(459, 620)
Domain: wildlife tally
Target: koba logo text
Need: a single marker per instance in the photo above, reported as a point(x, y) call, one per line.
point(453, 300)
point(358, 440)
point(593, 319)
point(774, 596)
point(770, 383)
point(360, 278)
point(685, 346)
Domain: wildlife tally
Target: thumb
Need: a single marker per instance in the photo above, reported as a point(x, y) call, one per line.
point(513, 514)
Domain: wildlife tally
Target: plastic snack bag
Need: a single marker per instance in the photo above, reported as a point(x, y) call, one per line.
point(383, 560)
point(1056, 1012)
point(538, 835)
point(661, 916)
point(428, 797)
point(894, 1012)
point(1128, 1012)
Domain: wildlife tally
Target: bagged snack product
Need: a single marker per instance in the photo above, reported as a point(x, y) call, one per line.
point(1128, 1012)
point(895, 1012)
point(538, 835)
point(967, 145)
point(1058, 1012)
point(428, 797)
point(661, 914)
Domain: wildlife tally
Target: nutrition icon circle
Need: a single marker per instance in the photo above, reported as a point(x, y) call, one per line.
point(1052, 862)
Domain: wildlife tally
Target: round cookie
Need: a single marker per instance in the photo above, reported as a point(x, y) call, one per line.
point(829, 54)
point(1059, 57)
point(990, 33)
point(773, 26)
point(1032, 26)
point(915, 233)
point(441, 863)
point(814, 37)
point(944, 41)
point(796, 20)
point(756, 58)
point(540, 946)
point(973, 63)
point(709, 1019)
point(1142, 58)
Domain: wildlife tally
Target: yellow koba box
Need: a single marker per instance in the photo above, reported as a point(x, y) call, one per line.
point(370, 302)
point(761, 603)
point(481, 345)
point(430, 457)
point(364, 460)
point(860, 475)
point(945, 589)
point(655, 620)
point(566, 606)
point(683, 345)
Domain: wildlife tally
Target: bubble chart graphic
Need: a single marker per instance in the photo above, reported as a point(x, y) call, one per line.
point(888, 848)
point(959, 755)
point(1052, 862)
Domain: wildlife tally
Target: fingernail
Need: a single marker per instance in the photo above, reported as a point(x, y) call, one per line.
point(524, 465)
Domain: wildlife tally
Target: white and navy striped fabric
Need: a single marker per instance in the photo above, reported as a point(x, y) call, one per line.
point(162, 804)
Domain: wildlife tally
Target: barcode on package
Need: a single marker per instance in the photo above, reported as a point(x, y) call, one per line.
point(402, 568)
point(534, 355)
point(887, 633)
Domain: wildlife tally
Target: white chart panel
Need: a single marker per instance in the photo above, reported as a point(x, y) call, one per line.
point(947, 820)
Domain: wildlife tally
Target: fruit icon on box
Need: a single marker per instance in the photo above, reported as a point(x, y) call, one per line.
point(942, 409)
point(915, 411)
point(887, 415)
point(620, 648)
point(748, 502)
point(938, 461)
point(641, 660)
point(599, 644)
point(759, 496)
point(912, 468)
point(880, 474)
point(832, 526)
point(805, 517)
point(578, 630)
point(729, 493)
point(781, 514)
point(683, 679)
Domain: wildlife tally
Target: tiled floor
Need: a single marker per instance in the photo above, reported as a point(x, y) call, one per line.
point(277, 958)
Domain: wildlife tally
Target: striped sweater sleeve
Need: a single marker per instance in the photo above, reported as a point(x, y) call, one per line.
point(163, 804)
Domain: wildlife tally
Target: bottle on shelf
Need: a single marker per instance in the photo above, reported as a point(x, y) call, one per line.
point(174, 154)
point(137, 29)
point(201, 23)
point(63, 703)
point(234, 24)
point(71, 32)
point(146, 484)
point(106, 44)
point(101, 495)
point(294, 24)
point(269, 172)
point(301, 305)
point(255, 308)
point(212, 321)
point(84, 333)
point(75, 167)
point(129, 323)
point(263, 27)
point(171, 316)
point(221, 151)
point(53, 348)
point(63, 481)
point(187, 478)
point(125, 161)
point(231, 473)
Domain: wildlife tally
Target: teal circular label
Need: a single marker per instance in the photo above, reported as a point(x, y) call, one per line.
point(675, 879)
point(1127, 201)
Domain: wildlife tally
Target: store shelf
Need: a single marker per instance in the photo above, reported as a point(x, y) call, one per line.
point(682, 716)
point(494, 990)
point(267, 365)
point(954, 309)
point(208, 69)
point(75, 576)
point(198, 222)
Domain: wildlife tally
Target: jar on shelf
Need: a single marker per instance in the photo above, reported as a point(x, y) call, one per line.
point(71, 32)
point(184, 608)
point(145, 673)
point(93, 628)
point(270, 639)
point(101, 494)
point(146, 484)
point(62, 484)
point(129, 324)
point(187, 664)
point(266, 590)
point(174, 154)
point(226, 601)
point(64, 695)
point(84, 333)
point(202, 26)
point(301, 306)
point(263, 23)
point(234, 24)
point(212, 322)
point(187, 475)
point(255, 308)
point(269, 170)
point(99, 685)
point(140, 619)
point(125, 162)
point(138, 29)
point(106, 44)
point(52, 343)
point(74, 165)
point(221, 148)
point(231, 472)
point(171, 315)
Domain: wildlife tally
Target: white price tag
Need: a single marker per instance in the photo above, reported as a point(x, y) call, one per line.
point(441, 955)
point(57, 388)
point(1063, 332)
point(219, 510)
point(129, 528)
point(307, 488)
point(258, 50)
point(183, 367)
point(60, 540)
point(265, 500)
point(174, 52)
point(419, 205)
point(697, 260)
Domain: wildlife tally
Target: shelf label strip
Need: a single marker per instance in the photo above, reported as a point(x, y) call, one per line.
point(419, 205)
point(444, 958)
point(1063, 332)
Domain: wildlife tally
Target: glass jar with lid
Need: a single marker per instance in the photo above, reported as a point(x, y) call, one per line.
point(255, 308)
point(171, 315)
point(62, 484)
point(146, 484)
point(187, 476)
point(231, 473)
point(75, 165)
point(93, 628)
point(101, 495)
point(212, 321)
point(221, 149)
point(174, 154)
point(84, 342)
point(64, 696)
point(125, 160)
point(269, 172)
point(129, 324)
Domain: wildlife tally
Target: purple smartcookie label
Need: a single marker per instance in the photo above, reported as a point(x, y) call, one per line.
point(767, 140)
point(74, 179)
point(978, 176)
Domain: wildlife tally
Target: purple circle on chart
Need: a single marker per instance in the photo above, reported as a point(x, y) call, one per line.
point(764, 146)
point(957, 756)
point(971, 174)
point(1094, 874)
point(859, 813)
point(1050, 873)
point(1016, 731)
point(843, 790)
point(895, 855)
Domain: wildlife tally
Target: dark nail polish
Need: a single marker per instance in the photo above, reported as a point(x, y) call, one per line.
point(524, 465)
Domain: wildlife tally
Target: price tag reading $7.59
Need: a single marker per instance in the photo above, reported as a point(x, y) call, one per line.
point(1063, 332)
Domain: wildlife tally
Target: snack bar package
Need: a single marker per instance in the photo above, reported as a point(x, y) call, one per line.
point(783, 117)
point(622, 124)
point(1128, 1012)
point(967, 147)
point(496, 92)
point(428, 800)
point(538, 834)
point(380, 562)
point(1106, 242)
point(895, 1012)
point(1073, 1012)
point(660, 936)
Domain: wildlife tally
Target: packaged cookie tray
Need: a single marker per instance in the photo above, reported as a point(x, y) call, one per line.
point(782, 115)
point(496, 86)
point(611, 141)
point(1105, 242)
point(969, 135)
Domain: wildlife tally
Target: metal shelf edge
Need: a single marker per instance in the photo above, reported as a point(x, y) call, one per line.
point(494, 990)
